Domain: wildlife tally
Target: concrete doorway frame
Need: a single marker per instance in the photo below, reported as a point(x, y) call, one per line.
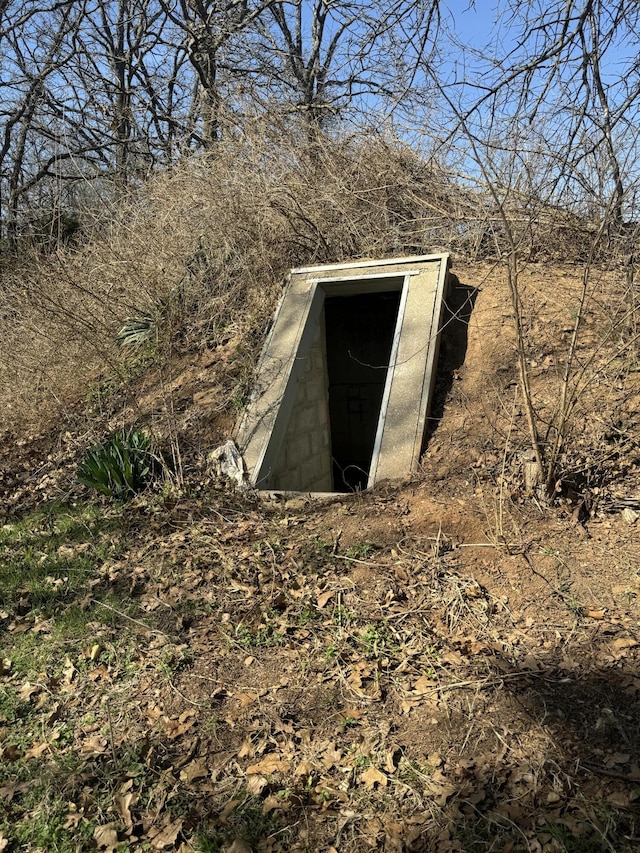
point(291, 361)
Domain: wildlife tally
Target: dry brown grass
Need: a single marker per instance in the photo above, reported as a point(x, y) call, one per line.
point(202, 251)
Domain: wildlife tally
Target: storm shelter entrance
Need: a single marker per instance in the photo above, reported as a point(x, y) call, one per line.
point(344, 382)
point(359, 332)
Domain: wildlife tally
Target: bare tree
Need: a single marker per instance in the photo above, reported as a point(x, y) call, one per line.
point(34, 61)
point(550, 131)
point(555, 75)
point(93, 91)
point(322, 58)
point(209, 29)
point(102, 91)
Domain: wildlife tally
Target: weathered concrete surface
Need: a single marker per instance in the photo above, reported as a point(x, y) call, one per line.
point(305, 453)
point(413, 375)
point(276, 431)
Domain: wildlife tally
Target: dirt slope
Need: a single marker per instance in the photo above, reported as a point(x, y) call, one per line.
point(441, 664)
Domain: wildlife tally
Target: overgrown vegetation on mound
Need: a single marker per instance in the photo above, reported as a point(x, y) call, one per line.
point(189, 270)
point(198, 256)
point(196, 671)
point(451, 665)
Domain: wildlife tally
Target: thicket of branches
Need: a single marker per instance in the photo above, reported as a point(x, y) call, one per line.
point(97, 94)
point(521, 149)
point(199, 254)
point(550, 132)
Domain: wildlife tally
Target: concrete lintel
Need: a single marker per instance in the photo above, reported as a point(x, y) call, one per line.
point(407, 259)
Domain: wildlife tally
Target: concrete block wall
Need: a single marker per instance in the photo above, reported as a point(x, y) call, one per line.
point(304, 461)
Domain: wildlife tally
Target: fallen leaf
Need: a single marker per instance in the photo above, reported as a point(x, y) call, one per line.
point(424, 684)
point(69, 672)
point(390, 760)
point(435, 760)
point(246, 699)
point(27, 690)
point(352, 714)
point(617, 758)
point(477, 797)
point(196, 770)
point(594, 614)
point(372, 777)
point(53, 717)
point(72, 820)
point(272, 803)
point(474, 590)
point(441, 793)
point(620, 799)
point(256, 785)
point(331, 757)
point(4, 843)
point(123, 804)
point(247, 750)
point(168, 836)
point(624, 643)
point(230, 807)
point(106, 838)
point(401, 573)
point(95, 745)
point(66, 553)
point(36, 750)
point(474, 647)
point(174, 728)
point(8, 791)
point(323, 598)
point(304, 768)
point(270, 764)
point(100, 672)
point(10, 753)
point(327, 793)
point(5, 666)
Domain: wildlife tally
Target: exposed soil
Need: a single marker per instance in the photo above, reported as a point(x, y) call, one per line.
point(445, 663)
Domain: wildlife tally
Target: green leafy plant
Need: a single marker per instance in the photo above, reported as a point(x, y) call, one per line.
point(360, 550)
point(136, 331)
point(122, 466)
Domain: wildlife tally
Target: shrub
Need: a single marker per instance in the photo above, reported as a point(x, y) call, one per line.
point(122, 466)
point(136, 332)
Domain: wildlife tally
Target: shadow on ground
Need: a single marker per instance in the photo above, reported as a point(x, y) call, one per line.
point(458, 308)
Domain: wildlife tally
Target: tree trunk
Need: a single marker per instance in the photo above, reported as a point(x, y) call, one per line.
point(122, 122)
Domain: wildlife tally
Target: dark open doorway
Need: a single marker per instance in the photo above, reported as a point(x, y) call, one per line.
point(359, 333)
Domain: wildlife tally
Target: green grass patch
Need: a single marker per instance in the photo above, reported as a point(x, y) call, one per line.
point(360, 550)
point(263, 635)
point(39, 821)
point(49, 558)
point(246, 822)
point(57, 802)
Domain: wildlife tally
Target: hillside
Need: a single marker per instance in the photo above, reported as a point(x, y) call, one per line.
point(445, 663)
